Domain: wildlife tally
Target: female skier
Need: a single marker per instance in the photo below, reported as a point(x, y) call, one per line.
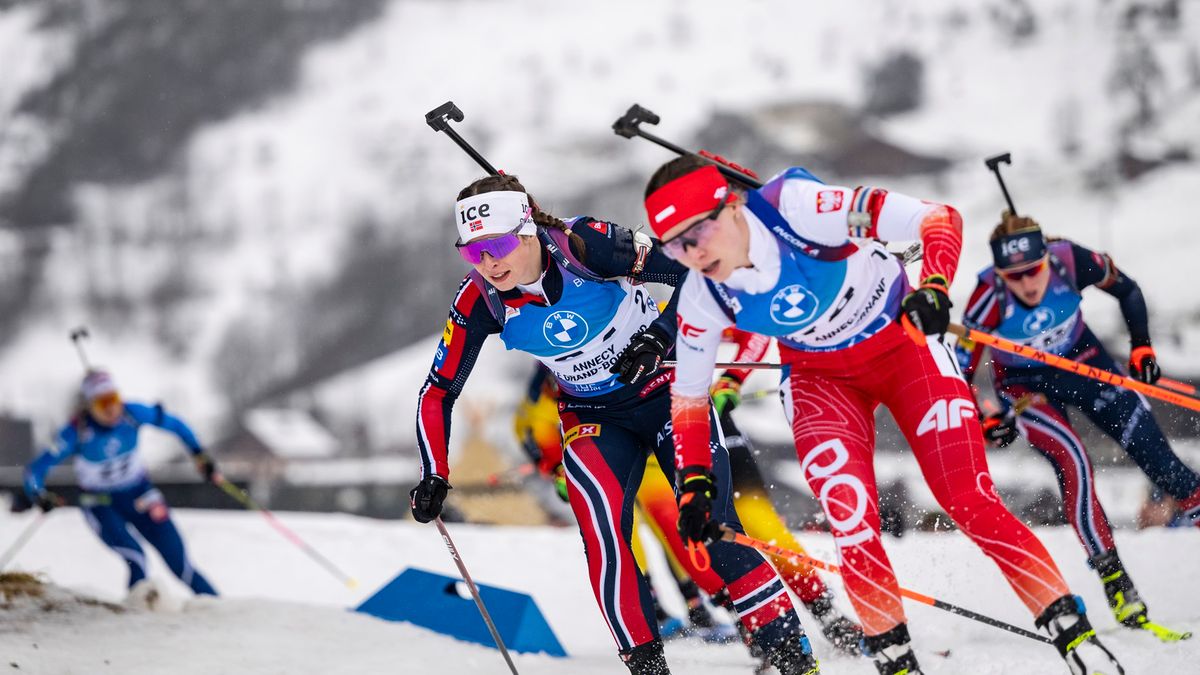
point(569, 294)
point(1031, 296)
point(779, 261)
point(116, 492)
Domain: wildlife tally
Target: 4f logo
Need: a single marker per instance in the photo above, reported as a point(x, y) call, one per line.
point(943, 415)
point(687, 330)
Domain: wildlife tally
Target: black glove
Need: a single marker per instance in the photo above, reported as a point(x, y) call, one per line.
point(46, 501)
point(928, 307)
point(1000, 429)
point(207, 467)
point(427, 497)
point(642, 356)
point(1143, 364)
point(696, 492)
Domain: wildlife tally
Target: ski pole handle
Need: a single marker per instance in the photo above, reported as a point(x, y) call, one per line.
point(1092, 372)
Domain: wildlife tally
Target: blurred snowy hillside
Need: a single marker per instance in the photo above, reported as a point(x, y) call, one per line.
point(243, 202)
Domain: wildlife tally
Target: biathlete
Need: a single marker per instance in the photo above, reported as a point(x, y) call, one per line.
point(537, 426)
point(1031, 295)
point(102, 438)
point(779, 261)
point(569, 293)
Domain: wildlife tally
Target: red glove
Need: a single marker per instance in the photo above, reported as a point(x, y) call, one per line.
point(1143, 365)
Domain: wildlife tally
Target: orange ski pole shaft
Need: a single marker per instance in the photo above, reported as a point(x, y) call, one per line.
point(1106, 376)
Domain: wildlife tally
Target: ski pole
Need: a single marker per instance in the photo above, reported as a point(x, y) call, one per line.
point(487, 618)
point(439, 118)
point(629, 125)
point(749, 365)
point(245, 500)
point(1105, 376)
point(765, 547)
point(77, 337)
point(22, 539)
point(993, 165)
point(761, 393)
point(1176, 385)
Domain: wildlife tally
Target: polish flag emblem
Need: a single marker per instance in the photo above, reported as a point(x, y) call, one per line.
point(829, 200)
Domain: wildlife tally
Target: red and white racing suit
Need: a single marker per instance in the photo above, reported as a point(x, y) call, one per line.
point(832, 303)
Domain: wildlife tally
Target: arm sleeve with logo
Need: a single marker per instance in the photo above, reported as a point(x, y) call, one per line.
point(466, 330)
point(701, 322)
point(822, 213)
point(65, 445)
point(156, 416)
point(1097, 269)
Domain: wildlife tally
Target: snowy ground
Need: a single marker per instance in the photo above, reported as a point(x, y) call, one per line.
point(283, 614)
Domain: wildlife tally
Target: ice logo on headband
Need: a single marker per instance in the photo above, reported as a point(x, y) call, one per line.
point(473, 216)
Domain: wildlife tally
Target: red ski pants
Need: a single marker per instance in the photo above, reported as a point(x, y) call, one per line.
point(831, 397)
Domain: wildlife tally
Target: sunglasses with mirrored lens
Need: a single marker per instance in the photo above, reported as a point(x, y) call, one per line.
point(1028, 272)
point(497, 247)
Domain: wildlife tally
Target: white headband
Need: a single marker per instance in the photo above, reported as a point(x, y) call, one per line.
point(493, 213)
point(96, 384)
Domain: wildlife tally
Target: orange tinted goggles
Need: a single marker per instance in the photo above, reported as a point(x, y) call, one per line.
point(105, 401)
point(1027, 272)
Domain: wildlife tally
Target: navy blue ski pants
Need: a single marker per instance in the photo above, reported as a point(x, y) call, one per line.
point(110, 514)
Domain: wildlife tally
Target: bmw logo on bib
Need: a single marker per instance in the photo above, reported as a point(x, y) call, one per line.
point(1038, 321)
point(793, 305)
point(565, 328)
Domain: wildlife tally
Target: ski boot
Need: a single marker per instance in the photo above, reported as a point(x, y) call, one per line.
point(1065, 620)
point(704, 626)
point(840, 630)
point(1124, 600)
point(646, 659)
point(762, 663)
point(892, 652)
point(794, 656)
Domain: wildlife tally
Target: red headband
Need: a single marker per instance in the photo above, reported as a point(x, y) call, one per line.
point(689, 195)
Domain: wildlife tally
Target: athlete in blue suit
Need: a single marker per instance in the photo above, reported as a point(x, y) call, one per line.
point(117, 493)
